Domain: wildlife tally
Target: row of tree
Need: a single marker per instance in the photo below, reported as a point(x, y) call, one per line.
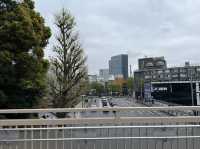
point(116, 87)
point(26, 78)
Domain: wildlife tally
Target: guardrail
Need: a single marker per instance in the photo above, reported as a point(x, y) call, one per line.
point(102, 137)
point(117, 109)
point(102, 121)
point(115, 118)
point(115, 132)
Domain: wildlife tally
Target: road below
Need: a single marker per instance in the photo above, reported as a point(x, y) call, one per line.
point(120, 102)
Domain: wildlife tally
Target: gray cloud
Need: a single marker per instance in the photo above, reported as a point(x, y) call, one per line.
point(169, 28)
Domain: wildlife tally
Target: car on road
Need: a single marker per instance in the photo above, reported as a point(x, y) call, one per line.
point(105, 104)
point(93, 106)
point(113, 104)
point(47, 115)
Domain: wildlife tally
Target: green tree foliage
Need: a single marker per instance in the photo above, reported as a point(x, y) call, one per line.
point(98, 88)
point(23, 36)
point(69, 71)
point(130, 84)
point(114, 88)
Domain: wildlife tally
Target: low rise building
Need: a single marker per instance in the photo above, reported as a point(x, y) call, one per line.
point(184, 73)
point(104, 74)
point(146, 74)
point(92, 78)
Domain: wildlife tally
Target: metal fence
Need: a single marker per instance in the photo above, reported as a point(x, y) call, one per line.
point(118, 132)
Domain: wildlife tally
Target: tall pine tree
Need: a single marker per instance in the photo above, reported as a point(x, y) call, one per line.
point(68, 66)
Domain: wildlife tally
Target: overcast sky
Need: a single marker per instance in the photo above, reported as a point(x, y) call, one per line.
point(169, 28)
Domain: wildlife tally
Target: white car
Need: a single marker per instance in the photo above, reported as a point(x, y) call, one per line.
point(47, 116)
point(105, 104)
point(93, 106)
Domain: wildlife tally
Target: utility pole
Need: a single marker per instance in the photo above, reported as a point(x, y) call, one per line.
point(83, 101)
point(191, 86)
point(192, 90)
point(190, 77)
point(130, 71)
point(141, 90)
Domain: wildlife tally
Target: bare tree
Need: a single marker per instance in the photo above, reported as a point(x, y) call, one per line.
point(69, 71)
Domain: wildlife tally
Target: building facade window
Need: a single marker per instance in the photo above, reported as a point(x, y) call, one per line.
point(175, 75)
point(182, 75)
point(167, 71)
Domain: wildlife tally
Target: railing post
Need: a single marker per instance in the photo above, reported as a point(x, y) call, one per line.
point(40, 144)
point(63, 136)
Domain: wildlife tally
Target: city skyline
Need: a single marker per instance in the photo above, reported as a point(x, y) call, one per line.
point(102, 74)
point(140, 28)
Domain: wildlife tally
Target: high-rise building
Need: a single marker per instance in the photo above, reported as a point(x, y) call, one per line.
point(118, 66)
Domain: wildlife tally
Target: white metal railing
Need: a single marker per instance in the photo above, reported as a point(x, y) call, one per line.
point(103, 137)
point(115, 118)
point(114, 132)
point(117, 109)
point(103, 120)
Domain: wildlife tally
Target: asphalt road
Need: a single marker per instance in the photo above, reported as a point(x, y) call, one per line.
point(121, 102)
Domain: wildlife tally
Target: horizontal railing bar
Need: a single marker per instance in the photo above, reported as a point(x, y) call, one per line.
point(99, 127)
point(101, 120)
point(117, 109)
point(101, 138)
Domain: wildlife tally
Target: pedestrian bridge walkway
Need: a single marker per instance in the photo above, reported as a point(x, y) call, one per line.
point(116, 131)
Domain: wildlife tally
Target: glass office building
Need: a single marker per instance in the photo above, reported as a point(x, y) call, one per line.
point(118, 66)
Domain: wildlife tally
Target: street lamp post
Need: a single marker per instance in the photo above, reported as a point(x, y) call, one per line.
point(141, 90)
point(191, 86)
point(83, 100)
point(190, 77)
point(192, 90)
